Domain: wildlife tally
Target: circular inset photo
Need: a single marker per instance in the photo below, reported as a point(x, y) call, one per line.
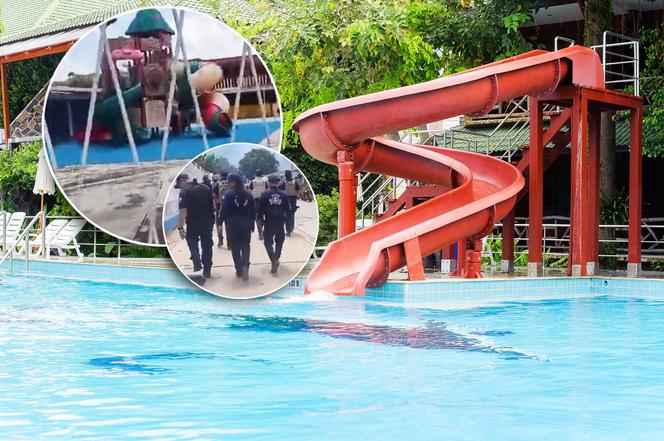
point(240, 221)
point(139, 96)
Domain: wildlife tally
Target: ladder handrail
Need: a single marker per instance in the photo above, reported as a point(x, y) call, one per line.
point(23, 236)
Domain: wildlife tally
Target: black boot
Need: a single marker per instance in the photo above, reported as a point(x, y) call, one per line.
point(245, 273)
point(197, 267)
point(275, 267)
point(207, 272)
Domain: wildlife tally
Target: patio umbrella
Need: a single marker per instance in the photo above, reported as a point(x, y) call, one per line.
point(44, 183)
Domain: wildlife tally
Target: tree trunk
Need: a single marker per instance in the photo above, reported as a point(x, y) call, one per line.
point(598, 15)
point(607, 156)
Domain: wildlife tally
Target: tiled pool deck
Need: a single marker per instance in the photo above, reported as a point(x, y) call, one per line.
point(428, 291)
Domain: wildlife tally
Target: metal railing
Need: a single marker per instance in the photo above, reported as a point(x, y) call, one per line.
point(96, 248)
point(555, 240)
point(620, 60)
point(23, 236)
point(505, 145)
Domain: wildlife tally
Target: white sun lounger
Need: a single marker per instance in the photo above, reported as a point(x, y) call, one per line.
point(65, 239)
point(14, 225)
point(46, 236)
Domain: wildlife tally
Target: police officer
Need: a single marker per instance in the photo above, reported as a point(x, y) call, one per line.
point(238, 211)
point(196, 222)
point(257, 186)
point(207, 182)
point(292, 190)
point(218, 190)
point(273, 210)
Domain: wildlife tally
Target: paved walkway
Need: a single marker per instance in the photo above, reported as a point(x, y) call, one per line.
point(120, 198)
point(297, 250)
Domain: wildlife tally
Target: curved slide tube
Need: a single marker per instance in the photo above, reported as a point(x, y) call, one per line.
point(481, 190)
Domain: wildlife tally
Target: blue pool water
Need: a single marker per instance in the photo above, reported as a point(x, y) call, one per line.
point(185, 146)
point(84, 360)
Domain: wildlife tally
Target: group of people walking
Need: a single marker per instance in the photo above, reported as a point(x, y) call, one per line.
point(267, 206)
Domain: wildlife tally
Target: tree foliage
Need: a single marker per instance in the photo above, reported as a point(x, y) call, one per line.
point(26, 78)
point(262, 159)
point(215, 164)
point(328, 212)
point(321, 51)
point(17, 173)
point(653, 87)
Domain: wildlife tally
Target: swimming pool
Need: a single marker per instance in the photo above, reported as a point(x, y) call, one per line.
point(85, 360)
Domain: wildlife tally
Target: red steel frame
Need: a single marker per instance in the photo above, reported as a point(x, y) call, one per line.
point(587, 104)
point(4, 82)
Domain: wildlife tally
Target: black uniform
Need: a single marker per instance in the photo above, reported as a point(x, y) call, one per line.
point(291, 188)
point(273, 210)
point(218, 190)
point(200, 219)
point(238, 212)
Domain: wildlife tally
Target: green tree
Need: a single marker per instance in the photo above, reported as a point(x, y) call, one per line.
point(215, 164)
point(262, 159)
point(652, 85)
point(598, 16)
point(17, 173)
point(328, 212)
point(26, 78)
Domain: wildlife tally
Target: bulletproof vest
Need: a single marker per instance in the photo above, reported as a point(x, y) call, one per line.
point(275, 205)
point(291, 189)
point(260, 185)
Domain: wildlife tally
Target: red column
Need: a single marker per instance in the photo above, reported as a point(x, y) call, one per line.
point(347, 193)
point(446, 260)
point(635, 182)
point(579, 186)
point(507, 259)
point(414, 259)
point(593, 193)
point(535, 189)
point(462, 259)
point(5, 105)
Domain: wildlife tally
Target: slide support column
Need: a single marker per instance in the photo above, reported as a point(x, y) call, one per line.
point(535, 188)
point(635, 190)
point(347, 193)
point(579, 186)
point(507, 258)
point(592, 266)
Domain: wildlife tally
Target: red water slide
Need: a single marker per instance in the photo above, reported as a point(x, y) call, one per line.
point(481, 190)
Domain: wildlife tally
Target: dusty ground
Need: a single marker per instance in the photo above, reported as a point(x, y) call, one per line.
point(296, 252)
point(121, 198)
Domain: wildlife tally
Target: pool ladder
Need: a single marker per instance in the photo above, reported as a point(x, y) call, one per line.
point(25, 236)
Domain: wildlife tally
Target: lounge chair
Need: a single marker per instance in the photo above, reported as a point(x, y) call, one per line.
point(66, 238)
point(14, 225)
point(45, 237)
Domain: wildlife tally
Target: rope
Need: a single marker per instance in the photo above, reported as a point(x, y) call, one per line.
point(178, 25)
point(93, 97)
point(259, 94)
point(238, 92)
point(118, 92)
point(171, 95)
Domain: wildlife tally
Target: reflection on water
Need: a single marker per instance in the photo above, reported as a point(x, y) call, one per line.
point(434, 335)
point(138, 364)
